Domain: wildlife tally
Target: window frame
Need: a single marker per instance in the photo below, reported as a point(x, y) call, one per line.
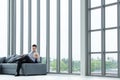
point(103, 29)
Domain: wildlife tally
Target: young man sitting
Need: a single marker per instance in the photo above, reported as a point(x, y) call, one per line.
point(32, 57)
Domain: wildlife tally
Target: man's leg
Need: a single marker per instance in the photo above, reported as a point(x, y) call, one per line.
point(19, 65)
point(28, 60)
point(24, 59)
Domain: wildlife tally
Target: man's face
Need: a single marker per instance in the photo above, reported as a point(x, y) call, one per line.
point(34, 49)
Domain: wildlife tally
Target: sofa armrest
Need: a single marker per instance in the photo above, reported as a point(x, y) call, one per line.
point(40, 60)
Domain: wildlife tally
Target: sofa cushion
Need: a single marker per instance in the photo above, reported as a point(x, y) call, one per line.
point(9, 66)
point(8, 58)
point(27, 68)
point(2, 59)
point(34, 68)
point(13, 59)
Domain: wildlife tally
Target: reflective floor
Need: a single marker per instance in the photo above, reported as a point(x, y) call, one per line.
point(54, 77)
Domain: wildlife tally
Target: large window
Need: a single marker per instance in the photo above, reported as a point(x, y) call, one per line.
point(76, 36)
point(111, 40)
point(18, 26)
point(111, 64)
point(111, 16)
point(25, 28)
point(3, 27)
point(64, 36)
point(96, 19)
point(34, 21)
point(96, 64)
point(110, 1)
point(103, 37)
point(43, 30)
point(95, 3)
point(53, 35)
point(96, 41)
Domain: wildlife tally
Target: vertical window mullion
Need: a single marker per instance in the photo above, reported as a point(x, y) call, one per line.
point(21, 26)
point(13, 28)
point(48, 34)
point(70, 36)
point(118, 24)
point(11, 19)
point(58, 36)
point(103, 36)
point(89, 39)
point(29, 25)
point(8, 30)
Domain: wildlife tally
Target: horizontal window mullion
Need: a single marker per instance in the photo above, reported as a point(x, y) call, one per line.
point(103, 29)
point(111, 52)
point(95, 8)
point(95, 52)
point(106, 5)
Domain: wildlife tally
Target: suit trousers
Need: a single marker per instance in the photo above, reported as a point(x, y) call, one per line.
point(23, 59)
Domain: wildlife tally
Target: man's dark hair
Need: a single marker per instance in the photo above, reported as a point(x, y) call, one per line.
point(34, 45)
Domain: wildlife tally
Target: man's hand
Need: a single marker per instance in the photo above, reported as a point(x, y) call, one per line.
point(36, 55)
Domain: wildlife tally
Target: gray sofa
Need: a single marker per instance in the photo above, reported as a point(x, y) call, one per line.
point(27, 68)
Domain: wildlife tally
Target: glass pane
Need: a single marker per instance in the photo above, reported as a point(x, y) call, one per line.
point(96, 64)
point(95, 3)
point(111, 16)
point(64, 36)
point(18, 27)
point(96, 41)
point(3, 27)
point(53, 35)
point(111, 40)
point(43, 30)
point(111, 64)
point(25, 41)
point(76, 36)
point(110, 1)
point(34, 21)
point(96, 19)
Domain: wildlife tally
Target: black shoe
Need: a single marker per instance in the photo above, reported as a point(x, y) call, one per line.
point(17, 75)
